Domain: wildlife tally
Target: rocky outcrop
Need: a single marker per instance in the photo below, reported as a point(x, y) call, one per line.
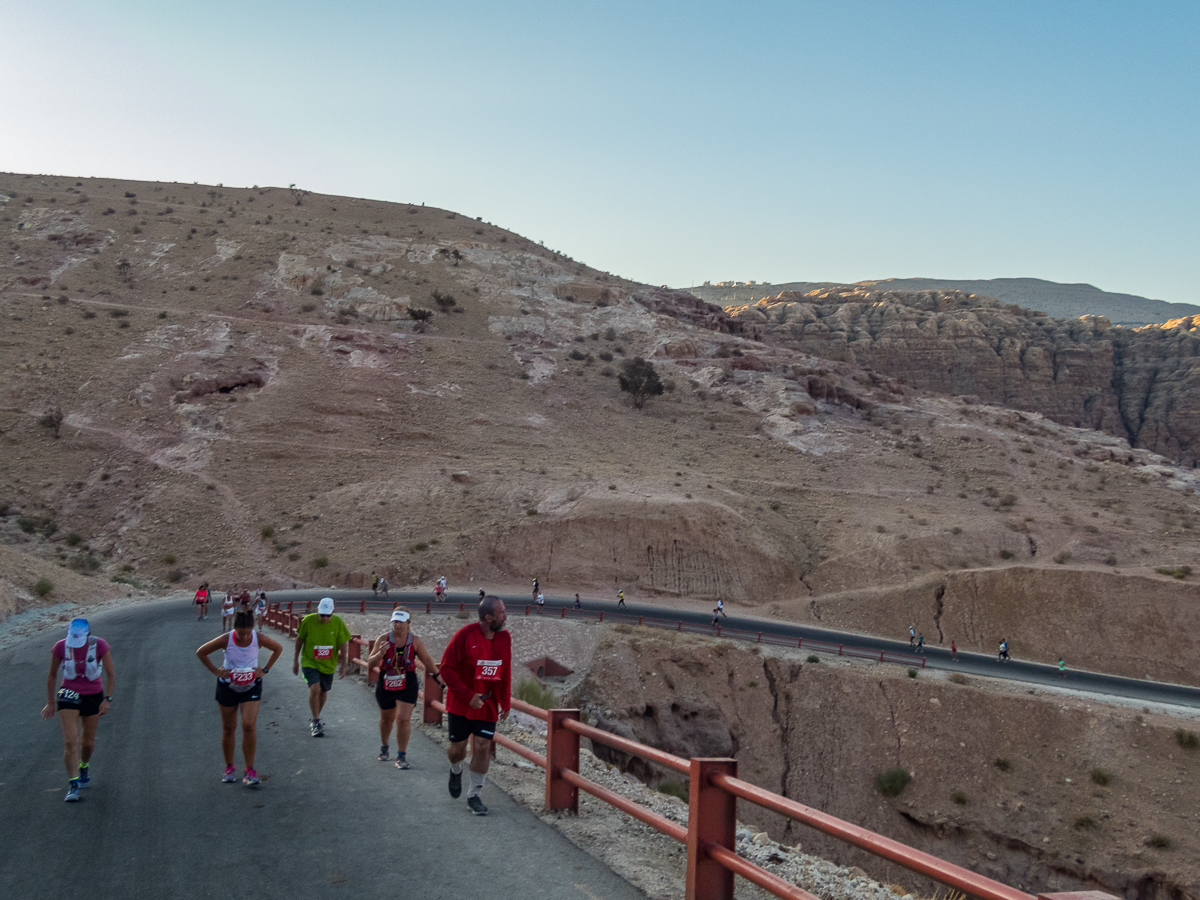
point(691, 309)
point(1041, 793)
point(1139, 384)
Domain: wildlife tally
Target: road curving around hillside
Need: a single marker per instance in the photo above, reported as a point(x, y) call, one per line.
point(977, 664)
point(157, 822)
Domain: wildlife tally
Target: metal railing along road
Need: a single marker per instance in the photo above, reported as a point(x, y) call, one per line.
point(713, 792)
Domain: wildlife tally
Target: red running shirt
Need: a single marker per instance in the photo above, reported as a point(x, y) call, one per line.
point(471, 665)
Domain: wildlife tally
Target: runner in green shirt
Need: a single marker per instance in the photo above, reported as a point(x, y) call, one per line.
point(322, 645)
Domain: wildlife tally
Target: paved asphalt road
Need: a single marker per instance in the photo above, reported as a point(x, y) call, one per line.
point(1143, 691)
point(329, 820)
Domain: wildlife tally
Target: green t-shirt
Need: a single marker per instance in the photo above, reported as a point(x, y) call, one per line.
point(321, 642)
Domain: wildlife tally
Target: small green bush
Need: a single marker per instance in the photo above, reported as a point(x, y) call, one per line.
point(813, 658)
point(418, 548)
point(49, 528)
point(959, 798)
point(174, 576)
point(267, 531)
point(1002, 764)
point(1084, 821)
point(912, 673)
point(532, 511)
point(1006, 554)
point(84, 563)
point(1100, 776)
point(1187, 739)
point(43, 588)
point(1180, 572)
point(673, 787)
point(74, 539)
point(168, 559)
point(577, 354)
point(892, 782)
point(126, 579)
point(533, 693)
point(320, 562)
point(1159, 841)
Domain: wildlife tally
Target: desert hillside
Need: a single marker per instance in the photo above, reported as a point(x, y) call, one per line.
point(1140, 385)
point(1062, 301)
point(246, 396)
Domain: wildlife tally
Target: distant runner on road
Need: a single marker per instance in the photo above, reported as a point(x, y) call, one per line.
point(239, 686)
point(260, 610)
point(1003, 654)
point(81, 699)
point(477, 670)
point(228, 607)
point(620, 599)
point(322, 645)
point(201, 601)
point(396, 653)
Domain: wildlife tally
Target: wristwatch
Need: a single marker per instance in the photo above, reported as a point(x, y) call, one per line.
point(265, 671)
point(109, 698)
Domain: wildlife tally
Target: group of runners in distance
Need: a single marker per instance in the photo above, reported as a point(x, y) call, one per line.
point(475, 670)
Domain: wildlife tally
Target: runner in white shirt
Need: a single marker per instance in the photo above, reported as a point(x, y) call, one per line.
point(227, 609)
point(239, 686)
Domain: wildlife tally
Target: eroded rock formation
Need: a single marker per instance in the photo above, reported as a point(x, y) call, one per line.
point(1140, 384)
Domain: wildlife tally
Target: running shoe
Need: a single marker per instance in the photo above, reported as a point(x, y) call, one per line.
point(317, 730)
point(455, 784)
point(72, 792)
point(476, 806)
point(84, 779)
point(251, 779)
point(401, 761)
point(230, 775)
point(383, 753)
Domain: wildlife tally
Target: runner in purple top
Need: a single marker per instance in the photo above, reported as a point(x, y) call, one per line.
point(80, 699)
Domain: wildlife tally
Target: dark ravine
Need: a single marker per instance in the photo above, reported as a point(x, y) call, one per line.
point(822, 734)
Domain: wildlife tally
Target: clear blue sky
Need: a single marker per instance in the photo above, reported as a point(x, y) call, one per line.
point(667, 142)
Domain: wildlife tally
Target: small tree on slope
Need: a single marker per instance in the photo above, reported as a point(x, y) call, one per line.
point(639, 379)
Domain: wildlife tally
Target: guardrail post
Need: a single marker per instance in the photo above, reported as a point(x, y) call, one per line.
point(433, 691)
point(639, 620)
point(564, 613)
point(562, 752)
point(292, 624)
point(601, 615)
point(428, 607)
point(362, 606)
point(712, 819)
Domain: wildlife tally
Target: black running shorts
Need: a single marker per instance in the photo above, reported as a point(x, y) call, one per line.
point(462, 728)
point(87, 704)
point(227, 696)
point(388, 699)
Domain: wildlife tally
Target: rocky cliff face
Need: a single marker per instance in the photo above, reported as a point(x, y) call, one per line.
point(1138, 384)
point(1043, 793)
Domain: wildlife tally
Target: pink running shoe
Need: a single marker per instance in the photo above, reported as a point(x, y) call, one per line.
point(230, 775)
point(251, 779)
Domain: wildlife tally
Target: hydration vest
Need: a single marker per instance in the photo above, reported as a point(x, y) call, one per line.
point(91, 669)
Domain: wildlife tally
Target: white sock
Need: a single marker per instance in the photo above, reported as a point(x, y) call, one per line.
point(477, 781)
point(456, 768)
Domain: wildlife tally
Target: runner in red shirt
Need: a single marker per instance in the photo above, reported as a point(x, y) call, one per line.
point(477, 670)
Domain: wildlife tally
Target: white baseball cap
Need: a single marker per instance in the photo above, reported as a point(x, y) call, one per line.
point(77, 632)
point(325, 607)
point(400, 615)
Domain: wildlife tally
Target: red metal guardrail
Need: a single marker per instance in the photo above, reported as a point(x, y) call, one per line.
point(714, 789)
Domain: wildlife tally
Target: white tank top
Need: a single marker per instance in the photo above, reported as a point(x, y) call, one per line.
point(240, 657)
